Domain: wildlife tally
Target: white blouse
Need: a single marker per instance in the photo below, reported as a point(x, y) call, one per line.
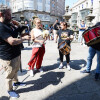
point(37, 33)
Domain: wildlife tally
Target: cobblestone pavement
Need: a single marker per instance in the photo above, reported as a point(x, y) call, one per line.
point(54, 83)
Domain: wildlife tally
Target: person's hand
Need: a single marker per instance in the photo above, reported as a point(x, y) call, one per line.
point(41, 41)
point(55, 41)
point(68, 38)
point(27, 37)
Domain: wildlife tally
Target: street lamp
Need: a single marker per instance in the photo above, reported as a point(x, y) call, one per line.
point(22, 16)
point(67, 16)
point(35, 16)
point(89, 18)
point(22, 19)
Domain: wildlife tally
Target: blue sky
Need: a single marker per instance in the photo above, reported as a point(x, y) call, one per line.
point(70, 2)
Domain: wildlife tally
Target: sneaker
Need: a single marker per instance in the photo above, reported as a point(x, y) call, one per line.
point(96, 76)
point(32, 73)
point(84, 45)
point(68, 67)
point(41, 70)
point(61, 66)
point(85, 71)
point(81, 43)
point(13, 94)
point(15, 85)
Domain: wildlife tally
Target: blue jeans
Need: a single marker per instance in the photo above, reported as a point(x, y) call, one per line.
point(91, 55)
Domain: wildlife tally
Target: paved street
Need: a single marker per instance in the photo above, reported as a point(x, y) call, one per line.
point(54, 83)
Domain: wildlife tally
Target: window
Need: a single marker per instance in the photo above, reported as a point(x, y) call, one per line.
point(40, 5)
point(40, 1)
point(47, 9)
point(53, 5)
point(92, 2)
point(82, 6)
point(48, 2)
point(28, 4)
point(86, 4)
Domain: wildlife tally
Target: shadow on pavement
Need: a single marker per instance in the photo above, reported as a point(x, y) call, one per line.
point(51, 67)
point(53, 78)
point(24, 72)
point(4, 98)
point(77, 64)
point(83, 89)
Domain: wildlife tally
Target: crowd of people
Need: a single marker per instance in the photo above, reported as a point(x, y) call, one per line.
point(9, 44)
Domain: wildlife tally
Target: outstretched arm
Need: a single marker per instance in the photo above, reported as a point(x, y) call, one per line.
point(56, 38)
point(15, 41)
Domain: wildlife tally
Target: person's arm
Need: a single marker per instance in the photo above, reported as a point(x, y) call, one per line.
point(71, 37)
point(85, 26)
point(28, 27)
point(80, 27)
point(15, 41)
point(56, 38)
point(54, 24)
point(34, 39)
point(32, 35)
point(5, 35)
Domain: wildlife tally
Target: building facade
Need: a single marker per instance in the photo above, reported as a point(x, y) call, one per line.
point(31, 8)
point(4, 2)
point(57, 9)
point(39, 8)
point(81, 9)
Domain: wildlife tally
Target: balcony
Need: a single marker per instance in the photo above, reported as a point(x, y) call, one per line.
point(84, 13)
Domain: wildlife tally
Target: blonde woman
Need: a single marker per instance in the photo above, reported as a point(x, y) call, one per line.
point(38, 47)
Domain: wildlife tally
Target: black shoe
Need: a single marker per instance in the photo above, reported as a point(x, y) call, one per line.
point(85, 71)
point(19, 84)
point(15, 85)
point(96, 76)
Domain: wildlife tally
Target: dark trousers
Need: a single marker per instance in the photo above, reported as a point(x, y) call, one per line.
point(67, 57)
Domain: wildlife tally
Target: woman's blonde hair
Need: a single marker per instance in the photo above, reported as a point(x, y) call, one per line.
point(34, 21)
